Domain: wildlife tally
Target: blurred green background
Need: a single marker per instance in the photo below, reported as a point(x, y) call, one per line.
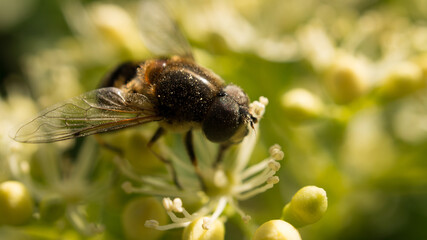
point(346, 83)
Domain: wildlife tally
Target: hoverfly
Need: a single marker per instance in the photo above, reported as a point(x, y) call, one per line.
point(172, 90)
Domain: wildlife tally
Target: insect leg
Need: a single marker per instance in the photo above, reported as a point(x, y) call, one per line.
point(108, 146)
point(160, 132)
point(190, 150)
point(222, 148)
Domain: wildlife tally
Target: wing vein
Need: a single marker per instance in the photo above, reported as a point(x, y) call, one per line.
point(101, 110)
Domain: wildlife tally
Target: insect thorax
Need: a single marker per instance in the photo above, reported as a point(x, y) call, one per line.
point(183, 97)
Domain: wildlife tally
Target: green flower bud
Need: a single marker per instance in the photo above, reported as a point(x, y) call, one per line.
point(276, 230)
point(401, 81)
point(16, 204)
point(346, 79)
point(133, 152)
point(307, 206)
point(139, 210)
point(52, 208)
point(301, 105)
point(198, 230)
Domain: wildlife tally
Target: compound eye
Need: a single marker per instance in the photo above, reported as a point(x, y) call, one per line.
point(223, 119)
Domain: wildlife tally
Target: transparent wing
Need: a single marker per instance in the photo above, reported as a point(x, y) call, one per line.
point(159, 31)
point(98, 111)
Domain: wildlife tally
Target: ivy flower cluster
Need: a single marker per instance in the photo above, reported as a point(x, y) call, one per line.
point(226, 184)
point(51, 191)
point(71, 187)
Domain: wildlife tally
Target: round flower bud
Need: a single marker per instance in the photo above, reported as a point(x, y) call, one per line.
point(300, 105)
point(16, 204)
point(307, 206)
point(137, 212)
point(198, 230)
point(133, 152)
point(276, 230)
point(347, 79)
point(52, 208)
point(401, 81)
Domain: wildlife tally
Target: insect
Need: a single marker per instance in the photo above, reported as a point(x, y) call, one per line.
point(172, 90)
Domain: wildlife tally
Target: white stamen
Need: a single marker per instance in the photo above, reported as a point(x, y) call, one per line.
point(206, 223)
point(188, 215)
point(219, 209)
point(127, 187)
point(276, 152)
point(273, 165)
point(273, 180)
point(176, 219)
point(254, 192)
point(167, 204)
point(151, 224)
point(246, 218)
point(274, 147)
point(244, 153)
point(278, 155)
point(257, 109)
point(254, 169)
point(258, 180)
point(177, 205)
point(171, 226)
